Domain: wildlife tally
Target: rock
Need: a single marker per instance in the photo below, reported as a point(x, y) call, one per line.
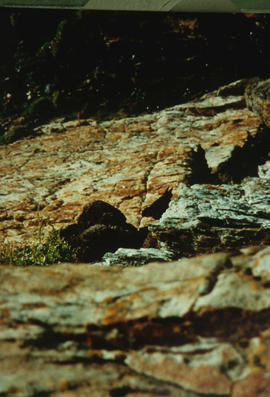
point(257, 96)
point(150, 190)
point(101, 228)
point(128, 163)
point(232, 164)
point(136, 257)
point(184, 328)
point(207, 218)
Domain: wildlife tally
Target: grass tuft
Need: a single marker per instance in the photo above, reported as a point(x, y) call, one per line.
point(47, 251)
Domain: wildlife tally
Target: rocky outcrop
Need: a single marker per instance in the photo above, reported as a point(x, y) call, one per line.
point(141, 198)
point(208, 218)
point(193, 327)
point(257, 96)
point(136, 257)
point(128, 163)
point(202, 218)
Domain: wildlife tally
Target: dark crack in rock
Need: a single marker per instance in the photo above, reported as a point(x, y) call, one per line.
point(158, 207)
point(200, 172)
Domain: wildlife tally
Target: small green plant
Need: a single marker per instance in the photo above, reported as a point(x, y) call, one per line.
point(47, 251)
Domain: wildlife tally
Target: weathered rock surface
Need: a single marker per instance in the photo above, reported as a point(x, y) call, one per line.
point(189, 328)
point(128, 163)
point(197, 175)
point(205, 218)
point(136, 257)
point(257, 96)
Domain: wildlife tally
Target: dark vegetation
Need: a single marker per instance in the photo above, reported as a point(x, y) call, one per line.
point(111, 64)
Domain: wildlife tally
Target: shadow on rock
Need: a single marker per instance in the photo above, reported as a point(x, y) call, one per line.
point(101, 228)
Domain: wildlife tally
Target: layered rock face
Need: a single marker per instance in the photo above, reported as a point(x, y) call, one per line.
point(188, 328)
point(127, 163)
point(172, 211)
point(215, 217)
